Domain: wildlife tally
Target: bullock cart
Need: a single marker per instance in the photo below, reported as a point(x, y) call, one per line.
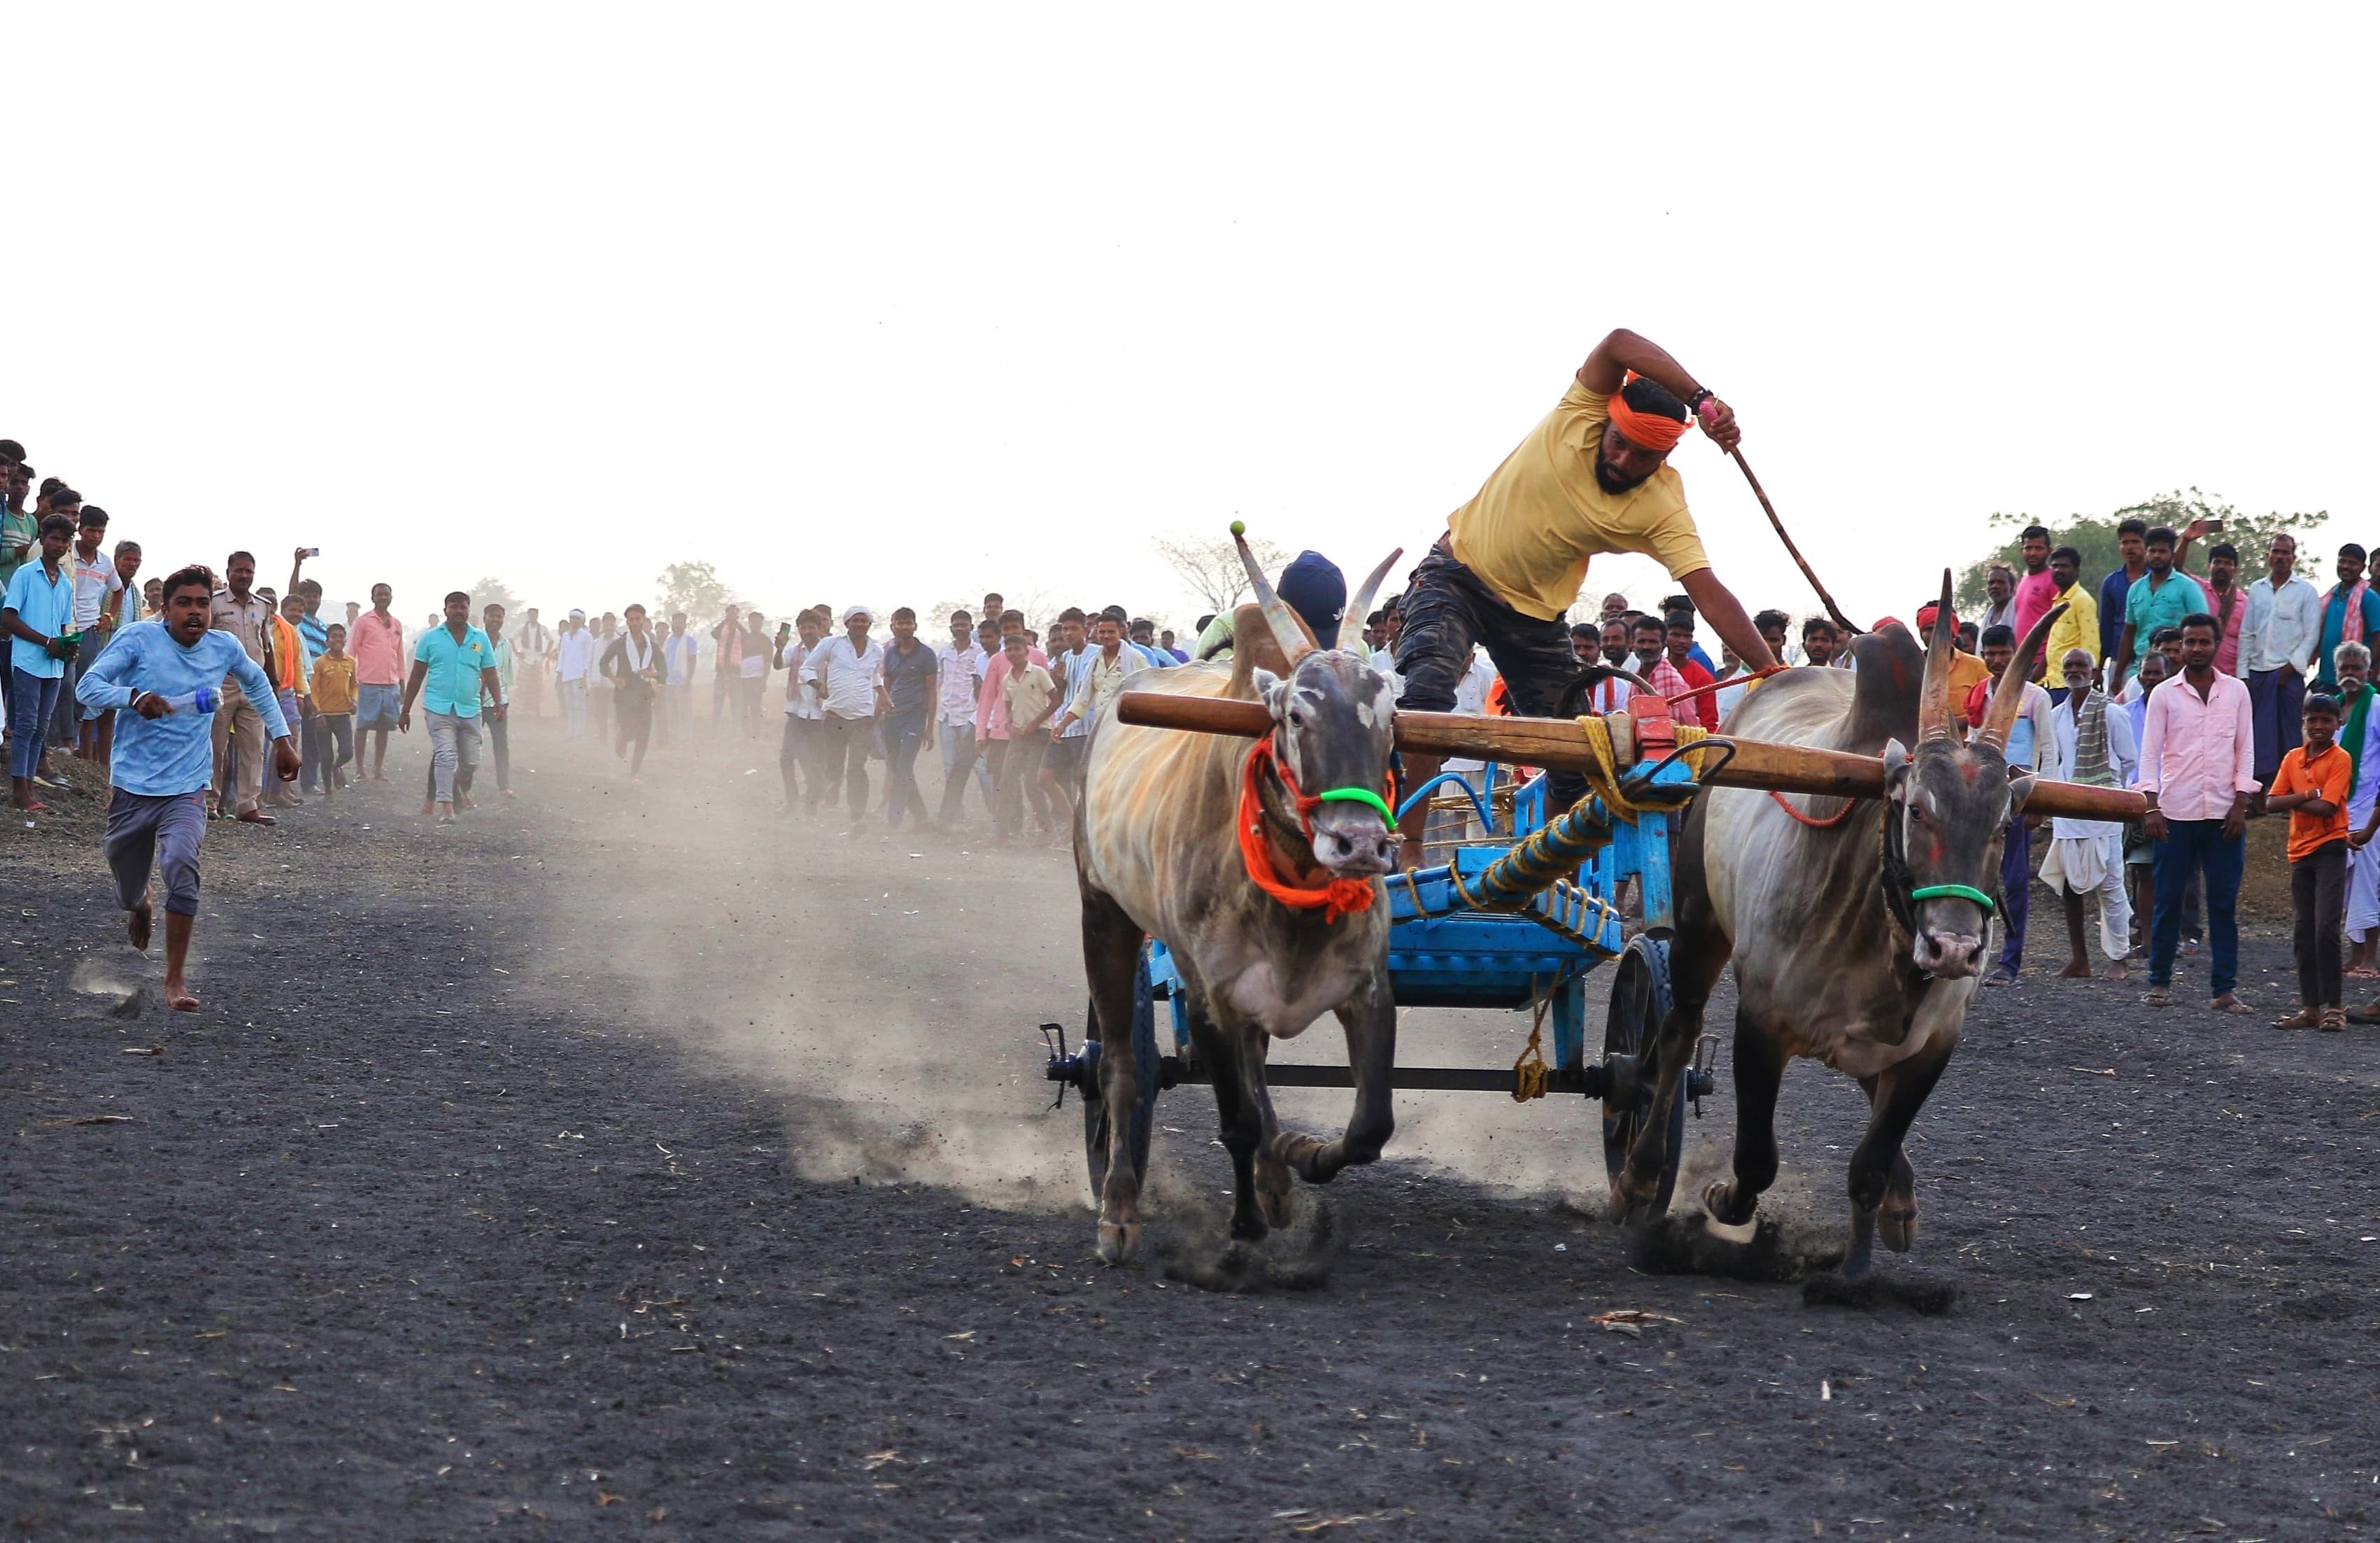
point(1519, 913)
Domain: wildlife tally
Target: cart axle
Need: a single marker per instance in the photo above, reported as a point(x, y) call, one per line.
point(1080, 1071)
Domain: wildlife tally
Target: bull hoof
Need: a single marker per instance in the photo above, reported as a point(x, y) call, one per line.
point(1721, 1202)
point(1898, 1229)
point(1277, 1207)
point(1861, 1259)
point(1118, 1241)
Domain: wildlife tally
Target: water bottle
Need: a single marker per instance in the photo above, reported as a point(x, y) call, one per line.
point(200, 700)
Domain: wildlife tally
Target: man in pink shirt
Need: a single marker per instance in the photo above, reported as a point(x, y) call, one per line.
point(2037, 591)
point(2198, 771)
point(991, 703)
point(2228, 603)
point(377, 642)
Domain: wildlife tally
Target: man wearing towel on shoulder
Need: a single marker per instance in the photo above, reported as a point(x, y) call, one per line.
point(1592, 476)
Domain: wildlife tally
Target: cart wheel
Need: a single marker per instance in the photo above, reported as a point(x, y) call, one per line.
point(1144, 1061)
point(1640, 1000)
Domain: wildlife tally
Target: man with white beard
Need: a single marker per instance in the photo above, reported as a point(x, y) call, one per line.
point(2353, 662)
point(2095, 746)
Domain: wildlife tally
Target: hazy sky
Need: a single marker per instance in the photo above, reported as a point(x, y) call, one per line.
point(896, 303)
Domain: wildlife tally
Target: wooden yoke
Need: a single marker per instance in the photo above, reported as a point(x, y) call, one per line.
point(1558, 743)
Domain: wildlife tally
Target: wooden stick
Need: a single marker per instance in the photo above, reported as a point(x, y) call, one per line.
point(1558, 743)
point(1794, 551)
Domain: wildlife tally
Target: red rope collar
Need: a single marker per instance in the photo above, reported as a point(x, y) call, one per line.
point(1338, 897)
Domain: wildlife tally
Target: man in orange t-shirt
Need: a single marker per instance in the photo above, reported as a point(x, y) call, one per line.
point(2313, 786)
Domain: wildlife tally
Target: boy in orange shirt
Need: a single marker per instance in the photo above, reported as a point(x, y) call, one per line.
point(2313, 785)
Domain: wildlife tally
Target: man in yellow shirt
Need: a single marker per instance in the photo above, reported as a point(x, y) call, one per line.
point(2079, 629)
point(1593, 477)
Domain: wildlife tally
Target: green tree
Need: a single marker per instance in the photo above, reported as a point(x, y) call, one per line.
point(2094, 537)
point(693, 587)
point(494, 591)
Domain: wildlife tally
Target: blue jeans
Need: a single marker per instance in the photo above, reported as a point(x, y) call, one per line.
point(2197, 843)
point(31, 700)
point(2016, 891)
point(904, 732)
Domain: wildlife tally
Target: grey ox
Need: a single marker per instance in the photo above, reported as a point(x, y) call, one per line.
point(1857, 945)
point(1157, 852)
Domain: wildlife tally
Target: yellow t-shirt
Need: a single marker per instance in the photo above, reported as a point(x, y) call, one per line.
point(2079, 629)
point(334, 684)
point(1967, 672)
point(1530, 530)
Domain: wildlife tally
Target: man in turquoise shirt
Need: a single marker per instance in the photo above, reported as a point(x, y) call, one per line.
point(451, 665)
point(38, 615)
point(2158, 599)
point(2351, 588)
point(166, 673)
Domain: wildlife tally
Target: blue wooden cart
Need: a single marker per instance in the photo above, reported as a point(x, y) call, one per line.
point(1501, 922)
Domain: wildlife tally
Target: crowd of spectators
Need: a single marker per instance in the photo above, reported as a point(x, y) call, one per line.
point(2219, 700)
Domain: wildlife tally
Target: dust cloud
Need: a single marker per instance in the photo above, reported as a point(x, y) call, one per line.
point(888, 992)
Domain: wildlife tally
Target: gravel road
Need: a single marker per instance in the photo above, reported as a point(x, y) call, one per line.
point(628, 1161)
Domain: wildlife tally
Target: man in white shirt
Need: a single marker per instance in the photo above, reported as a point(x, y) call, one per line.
point(680, 651)
point(956, 684)
point(574, 659)
point(2093, 746)
point(2277, 647)
point(1098, 674)
point(797, 756)
point(532, 654)
point(98, 609)
point(843, 670)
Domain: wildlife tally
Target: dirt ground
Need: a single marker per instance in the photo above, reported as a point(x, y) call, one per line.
point(633, 1162)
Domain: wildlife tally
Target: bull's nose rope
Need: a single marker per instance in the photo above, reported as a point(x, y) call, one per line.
point(1955, 891)
point(1337, 897)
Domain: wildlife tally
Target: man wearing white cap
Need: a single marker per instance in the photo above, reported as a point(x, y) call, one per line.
point(574, 659)
point(845, 670)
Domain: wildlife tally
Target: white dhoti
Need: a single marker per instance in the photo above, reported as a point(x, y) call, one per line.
point(2362, 891)
point(2087, 857)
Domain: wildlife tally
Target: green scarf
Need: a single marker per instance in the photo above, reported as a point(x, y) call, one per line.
point(2351, 734)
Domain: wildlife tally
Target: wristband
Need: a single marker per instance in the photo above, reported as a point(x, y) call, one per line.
point(1696, 397)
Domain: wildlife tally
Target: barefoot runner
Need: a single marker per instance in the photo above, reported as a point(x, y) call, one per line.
point(1592, 476)
point(164, 758)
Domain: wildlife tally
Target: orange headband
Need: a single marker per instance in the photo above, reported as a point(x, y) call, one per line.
point(1645, 430)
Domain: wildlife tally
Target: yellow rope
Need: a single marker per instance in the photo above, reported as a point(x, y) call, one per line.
point(1530, 1075)
point(1604, 776)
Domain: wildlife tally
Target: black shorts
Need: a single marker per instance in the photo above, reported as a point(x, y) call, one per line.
point(1447, 610)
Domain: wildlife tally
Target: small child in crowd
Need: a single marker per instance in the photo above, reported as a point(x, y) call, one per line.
point(2311, 787)
point(334, 704)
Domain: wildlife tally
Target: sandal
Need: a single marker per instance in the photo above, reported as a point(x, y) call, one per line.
point(2158, 996)
point(2362, 972)
point(2228, 1003)
point(2367, 1013)
point(2305, 1017)
point(2334, 1020)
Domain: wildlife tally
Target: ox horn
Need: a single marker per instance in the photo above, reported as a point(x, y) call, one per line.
point(1362, 605)
point(1286, 632)
point(1933, 698)
point(2009, 695)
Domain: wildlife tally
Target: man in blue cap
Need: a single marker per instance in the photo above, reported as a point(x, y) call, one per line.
point(1313, 587)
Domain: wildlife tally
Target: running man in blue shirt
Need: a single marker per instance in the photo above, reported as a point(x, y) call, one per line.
point(168, 672)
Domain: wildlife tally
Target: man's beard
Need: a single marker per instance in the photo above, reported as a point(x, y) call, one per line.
point(1610, 480)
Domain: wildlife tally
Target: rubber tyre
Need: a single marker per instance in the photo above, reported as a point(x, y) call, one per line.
point(1095, 1109)
point(1640, 1000)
